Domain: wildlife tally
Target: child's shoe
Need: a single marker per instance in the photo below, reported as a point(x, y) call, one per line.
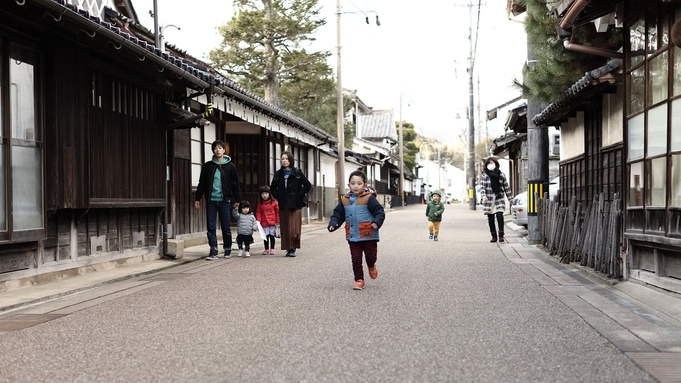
point(430, 236)
point(266, 251)
point(359, 285)
point(247, 254)
point(435, 238)
point(373, 272)
point(240, 253)
point(271, 251)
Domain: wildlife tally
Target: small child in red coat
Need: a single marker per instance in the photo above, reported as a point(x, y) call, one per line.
point(267, 213)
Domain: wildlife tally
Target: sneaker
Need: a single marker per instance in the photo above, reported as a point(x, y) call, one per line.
point(373, 272)
point(291, 253)
point(359, 285)
point(240, 253)
point(228, 255)
point(212, 257)
point(265, 252)
point(435, 238)
point(247, 254)
point(271, 251)
point(430, 236)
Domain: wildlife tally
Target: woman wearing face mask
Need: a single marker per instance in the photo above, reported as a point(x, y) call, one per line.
point(494, 187)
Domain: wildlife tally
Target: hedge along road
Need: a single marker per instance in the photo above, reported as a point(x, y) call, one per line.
point(452, 310)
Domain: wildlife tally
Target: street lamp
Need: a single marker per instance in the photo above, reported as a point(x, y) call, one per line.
point(340, 117)
point(161, 39)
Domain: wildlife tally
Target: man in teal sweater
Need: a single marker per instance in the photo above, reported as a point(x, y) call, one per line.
point(219, 184)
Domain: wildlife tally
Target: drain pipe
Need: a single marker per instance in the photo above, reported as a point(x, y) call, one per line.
point(183, 124)
point(564, 30)
point(572, 13)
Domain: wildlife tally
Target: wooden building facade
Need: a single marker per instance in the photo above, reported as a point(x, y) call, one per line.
point(621, 133)
point(101, 141)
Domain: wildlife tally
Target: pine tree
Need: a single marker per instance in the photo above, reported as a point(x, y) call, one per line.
point(263, 49)
point(263, 46)
point(557, 68)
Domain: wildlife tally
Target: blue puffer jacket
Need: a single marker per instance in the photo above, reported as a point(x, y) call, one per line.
point(359, 211)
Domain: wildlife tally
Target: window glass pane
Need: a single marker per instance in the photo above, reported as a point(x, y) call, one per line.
point(676, 181)
point(207, 152)
point(196, 152)
point(657, 130)
point(196, 134)
point(658, 78)
point(3, 193)
point(657, 182)
point(2, 86)
point(278, 151)
point(652, 32)
point(676, 125)
point(637, 40)
point(27, 188)
point(22, 96)
point(210, 132)
point(637, 81)
point(664, 28)
point(636, 184)
point(635, 132)
point(196, 172)
point(677, 71)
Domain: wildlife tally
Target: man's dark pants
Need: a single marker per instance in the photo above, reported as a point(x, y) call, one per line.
point(221, 209)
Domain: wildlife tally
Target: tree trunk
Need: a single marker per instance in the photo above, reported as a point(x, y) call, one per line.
point(271, 84)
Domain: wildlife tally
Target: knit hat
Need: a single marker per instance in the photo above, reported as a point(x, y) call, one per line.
point(436, 192)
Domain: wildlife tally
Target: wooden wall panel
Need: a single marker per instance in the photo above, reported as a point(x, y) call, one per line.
point(128, 144)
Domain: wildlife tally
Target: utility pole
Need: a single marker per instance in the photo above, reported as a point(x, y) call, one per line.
point(157, 38)
point(401, 187)
point(471, 114)
point(537, 154)
point(340, 119)
point(340, 116)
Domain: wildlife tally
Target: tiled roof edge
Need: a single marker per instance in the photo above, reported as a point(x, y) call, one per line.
point(576, 88)
point(201, 79)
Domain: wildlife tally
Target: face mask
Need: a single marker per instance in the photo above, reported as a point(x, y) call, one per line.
point(491, 167)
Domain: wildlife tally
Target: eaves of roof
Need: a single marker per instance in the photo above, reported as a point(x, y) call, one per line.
point(593, 82)
point(517, 119)
point(592, 11)
point(197, 78)
point(372, 145)
point(501, 144)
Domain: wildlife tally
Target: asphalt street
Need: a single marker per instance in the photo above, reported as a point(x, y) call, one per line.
point(457, 310)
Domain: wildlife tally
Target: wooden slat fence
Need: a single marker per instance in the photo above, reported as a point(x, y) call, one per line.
point(593, 239)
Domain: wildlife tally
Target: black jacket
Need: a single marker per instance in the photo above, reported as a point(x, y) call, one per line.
point(293, 195)
point(228, 176)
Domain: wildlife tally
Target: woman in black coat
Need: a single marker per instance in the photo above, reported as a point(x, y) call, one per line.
point(289, 187)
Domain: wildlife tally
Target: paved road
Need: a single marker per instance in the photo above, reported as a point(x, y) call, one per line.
point(454, 310)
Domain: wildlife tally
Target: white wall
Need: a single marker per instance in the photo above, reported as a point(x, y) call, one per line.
point(572, 137)
point(613, 118)
point(448, 180)
point(327, 168)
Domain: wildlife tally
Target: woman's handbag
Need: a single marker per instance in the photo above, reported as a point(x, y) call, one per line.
point(277, 231)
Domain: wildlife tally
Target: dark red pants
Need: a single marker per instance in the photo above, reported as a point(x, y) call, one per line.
point(370, 249)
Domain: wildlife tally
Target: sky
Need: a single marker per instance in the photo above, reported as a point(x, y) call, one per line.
point(419, 54)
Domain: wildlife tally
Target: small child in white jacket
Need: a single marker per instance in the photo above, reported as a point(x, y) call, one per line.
point(245, 226)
